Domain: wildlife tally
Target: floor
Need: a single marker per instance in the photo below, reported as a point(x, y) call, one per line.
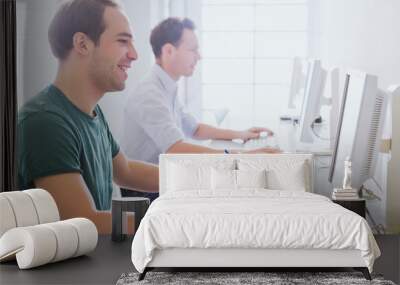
point(103, 266)
point(110, 260)
point(389, 262)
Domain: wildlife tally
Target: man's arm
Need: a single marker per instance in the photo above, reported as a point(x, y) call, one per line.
point(205, 131)
point(182, 147)
point(135, 174)
point(71, 194)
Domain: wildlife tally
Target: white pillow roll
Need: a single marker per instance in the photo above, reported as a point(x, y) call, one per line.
point(87, 235)
point(67, 240)
point(23, 208)
point(7, 218)
point(34, 246)
point(45, 205)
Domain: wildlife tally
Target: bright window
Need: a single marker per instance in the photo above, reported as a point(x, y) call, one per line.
point(247, 51)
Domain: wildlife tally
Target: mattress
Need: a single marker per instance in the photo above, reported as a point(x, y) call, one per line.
point(250, 219)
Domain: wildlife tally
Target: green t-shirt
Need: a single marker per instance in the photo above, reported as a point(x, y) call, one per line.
point(55, 137)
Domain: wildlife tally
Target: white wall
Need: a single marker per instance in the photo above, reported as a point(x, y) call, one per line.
point(36, 66)
point(139, 13)
point(363, 35)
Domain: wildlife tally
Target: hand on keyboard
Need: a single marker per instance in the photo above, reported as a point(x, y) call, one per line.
point(269, 141)
point(254, 133)
point(260, 131)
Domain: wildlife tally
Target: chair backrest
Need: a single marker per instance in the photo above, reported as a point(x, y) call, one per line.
point(26, 208)
point(289, 170)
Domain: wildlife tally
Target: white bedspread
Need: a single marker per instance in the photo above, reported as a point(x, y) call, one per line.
point(250, 219)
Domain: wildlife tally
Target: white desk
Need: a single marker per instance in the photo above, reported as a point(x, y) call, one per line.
point(286, 136)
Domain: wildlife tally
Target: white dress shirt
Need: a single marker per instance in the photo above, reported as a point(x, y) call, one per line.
point(154, 118)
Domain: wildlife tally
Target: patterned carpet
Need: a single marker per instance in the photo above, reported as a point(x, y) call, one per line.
point(242, 278)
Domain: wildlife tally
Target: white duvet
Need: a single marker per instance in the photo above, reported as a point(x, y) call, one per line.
point(250, 219)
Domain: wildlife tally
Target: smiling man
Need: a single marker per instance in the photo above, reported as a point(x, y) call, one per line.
point(154, 119)
point(64, 142)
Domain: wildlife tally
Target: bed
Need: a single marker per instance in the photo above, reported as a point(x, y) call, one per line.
point(247, 211)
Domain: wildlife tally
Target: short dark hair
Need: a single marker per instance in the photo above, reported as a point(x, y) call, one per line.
point(74, 16)
point(169, 31)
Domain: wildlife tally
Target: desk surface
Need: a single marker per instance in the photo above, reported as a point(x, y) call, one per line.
point(102, 266)
point(286, 136)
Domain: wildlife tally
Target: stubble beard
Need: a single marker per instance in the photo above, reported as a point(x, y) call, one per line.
point(105, 78)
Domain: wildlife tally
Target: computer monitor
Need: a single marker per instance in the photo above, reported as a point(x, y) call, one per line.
point(359, 128)
point(335, 104)
point(296, 91)
point(298, 81)
point(312, 99)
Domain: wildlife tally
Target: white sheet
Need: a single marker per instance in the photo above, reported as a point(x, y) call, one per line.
point(251, 218)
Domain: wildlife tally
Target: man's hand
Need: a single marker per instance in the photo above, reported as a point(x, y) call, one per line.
point(205, 131)
point(254, 133)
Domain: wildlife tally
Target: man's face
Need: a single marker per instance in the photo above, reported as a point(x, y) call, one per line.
point(186, 54)
point(114, 53)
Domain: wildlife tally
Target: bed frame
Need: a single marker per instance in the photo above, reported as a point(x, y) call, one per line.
point(242, 259)
point(246, 258)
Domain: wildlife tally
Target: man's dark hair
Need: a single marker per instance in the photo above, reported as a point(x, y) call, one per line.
point(74, 16)
point(169, 31)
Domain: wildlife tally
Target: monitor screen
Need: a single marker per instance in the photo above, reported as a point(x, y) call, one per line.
point(338, 129)
point(298, 82)
point(358, 129)
point(312, 100)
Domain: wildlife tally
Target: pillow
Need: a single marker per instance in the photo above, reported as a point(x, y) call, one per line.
point(44, 243)
point(184, 177)
point(223, 179)
point(236, 179)
point(251, 178)
point(288, 173)
point(293, 178)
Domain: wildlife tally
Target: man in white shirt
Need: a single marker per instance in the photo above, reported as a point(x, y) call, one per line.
point(155, 121)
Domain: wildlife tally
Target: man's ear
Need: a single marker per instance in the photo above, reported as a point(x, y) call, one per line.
point(82, 44)
point(168, 49)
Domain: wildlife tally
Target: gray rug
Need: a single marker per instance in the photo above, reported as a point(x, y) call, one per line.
point(269, 278)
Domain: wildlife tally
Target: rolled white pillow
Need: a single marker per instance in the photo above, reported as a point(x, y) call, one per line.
point(23, 208)
point(87, 235)
point(26, 208)
point(67, 240)
point(33, 246)
point(31, 232)
point(45, 205)
point(7, 220)
point(40, 244)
